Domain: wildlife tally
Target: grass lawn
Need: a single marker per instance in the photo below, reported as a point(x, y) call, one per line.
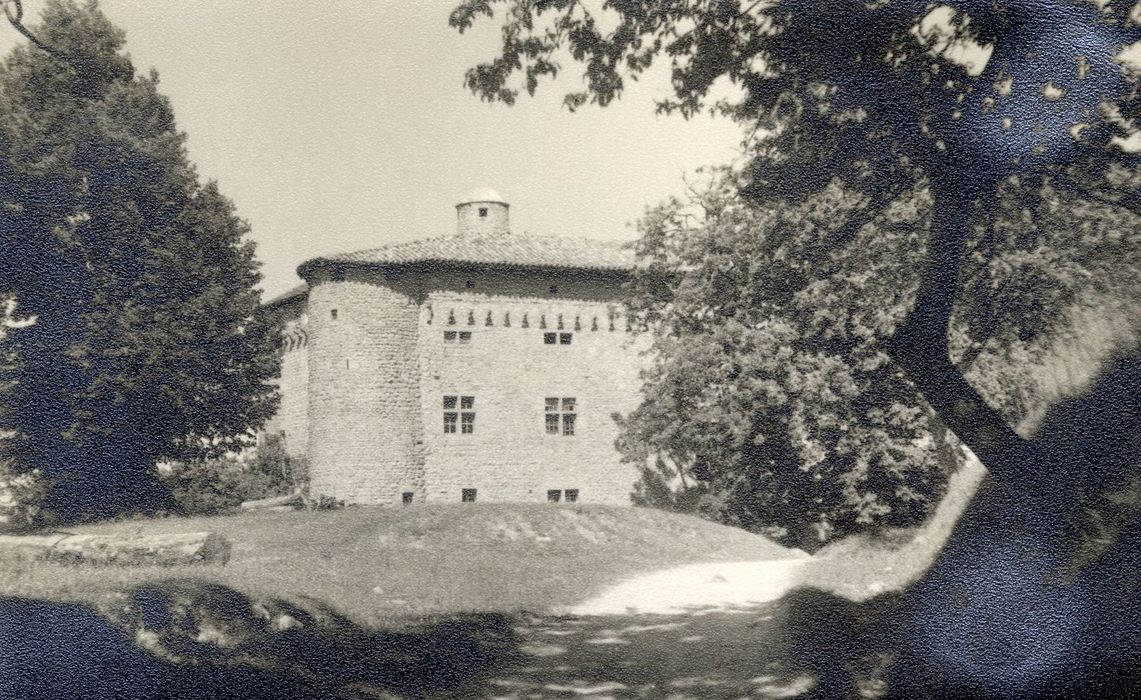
point(376, 564)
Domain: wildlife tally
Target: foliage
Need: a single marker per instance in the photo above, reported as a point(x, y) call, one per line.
point(279, 472)
point(207, 487)
point(869, 92)
point(769, 403)
point(985, 106)
point(141, 277)
point(214, 486)
point(21, 497)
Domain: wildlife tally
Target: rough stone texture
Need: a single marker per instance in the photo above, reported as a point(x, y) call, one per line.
point(366, 366)
point(365, 438)
point(292, 418)
point(469, 222)
point(155, 550)
point(511, 371)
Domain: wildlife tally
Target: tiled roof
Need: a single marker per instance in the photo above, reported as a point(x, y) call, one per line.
point(516, 250)
point(297, 291)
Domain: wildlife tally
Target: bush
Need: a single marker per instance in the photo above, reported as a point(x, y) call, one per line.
point(218, 486)
point(21, 496)
point(208, 487)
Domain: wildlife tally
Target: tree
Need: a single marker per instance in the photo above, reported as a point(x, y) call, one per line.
point(1009, 116)
point(967, 97)
point(767, 406)
point(141, 278)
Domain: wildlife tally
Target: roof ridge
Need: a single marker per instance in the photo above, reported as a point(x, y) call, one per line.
point(494, 248)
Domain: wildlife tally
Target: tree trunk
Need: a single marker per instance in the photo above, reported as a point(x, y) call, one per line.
point(154, 550)
point(1002, 611)
point(921, 347)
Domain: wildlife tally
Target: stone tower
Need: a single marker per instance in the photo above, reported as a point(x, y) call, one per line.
point(482, 213)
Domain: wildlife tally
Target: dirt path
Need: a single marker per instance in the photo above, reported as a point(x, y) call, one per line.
point(699, 588)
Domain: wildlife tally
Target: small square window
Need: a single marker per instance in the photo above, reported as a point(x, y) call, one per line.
point(568, 405)
point(465, 337)
point(449, 336)
point(406, 498)
point(572, 495)
point(565, 338)
point(554, 495)
point(551, 404)
point(550, 338)
point(483, 212)
point(449, 403)
point(467, 495)
point(467, 403)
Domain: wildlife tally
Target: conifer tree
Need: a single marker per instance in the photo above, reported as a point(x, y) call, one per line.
point(140, 276)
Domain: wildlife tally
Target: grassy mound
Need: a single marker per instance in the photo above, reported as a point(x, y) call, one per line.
point(378, 564)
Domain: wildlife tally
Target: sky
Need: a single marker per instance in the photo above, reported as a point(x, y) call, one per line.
point(345, 125)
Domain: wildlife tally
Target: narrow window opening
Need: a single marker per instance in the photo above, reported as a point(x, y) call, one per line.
point(565, 338)
point(549, 338)
point(571, 495)
point(467, 495)
point(554, 495)
point(451, 416)
point(333, 314)
point(406, 497)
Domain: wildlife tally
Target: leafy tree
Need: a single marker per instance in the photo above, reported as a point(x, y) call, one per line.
point(1017, 120)
point(768, 405)
point(967, 98)
point(141, 278)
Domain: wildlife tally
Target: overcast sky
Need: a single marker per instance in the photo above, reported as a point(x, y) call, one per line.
point(345, 125)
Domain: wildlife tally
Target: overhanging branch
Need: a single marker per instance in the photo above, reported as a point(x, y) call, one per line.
point(16, 19)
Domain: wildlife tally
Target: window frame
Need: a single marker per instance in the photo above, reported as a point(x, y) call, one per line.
point(459, 414)
point(560, 415)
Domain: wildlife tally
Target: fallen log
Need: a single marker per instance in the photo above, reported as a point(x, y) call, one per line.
point(288, 501)
point(115, 550)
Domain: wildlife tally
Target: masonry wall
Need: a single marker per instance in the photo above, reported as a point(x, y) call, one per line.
point(510, 371)
point(365, 436)
point(292, 417)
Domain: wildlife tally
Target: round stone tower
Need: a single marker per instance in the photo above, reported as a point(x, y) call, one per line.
point(482, 213)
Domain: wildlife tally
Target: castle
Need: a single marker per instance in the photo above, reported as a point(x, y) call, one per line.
point(483, 365)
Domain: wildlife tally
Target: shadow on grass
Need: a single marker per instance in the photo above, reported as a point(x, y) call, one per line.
point(185, 639)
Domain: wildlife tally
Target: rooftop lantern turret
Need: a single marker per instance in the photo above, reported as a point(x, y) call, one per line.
point(483, 212)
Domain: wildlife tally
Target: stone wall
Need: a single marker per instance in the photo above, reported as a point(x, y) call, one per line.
point(292, 417)
point(365, 437)
point(510, 371)
point(379, 367)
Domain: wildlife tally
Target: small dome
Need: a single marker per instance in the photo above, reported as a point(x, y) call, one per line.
point(484, 194)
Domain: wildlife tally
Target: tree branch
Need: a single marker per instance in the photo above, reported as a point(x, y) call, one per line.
point(1128, 201)
point(920, 345)
point(17, 21)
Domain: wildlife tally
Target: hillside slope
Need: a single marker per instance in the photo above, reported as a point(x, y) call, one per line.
point(377, 564)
